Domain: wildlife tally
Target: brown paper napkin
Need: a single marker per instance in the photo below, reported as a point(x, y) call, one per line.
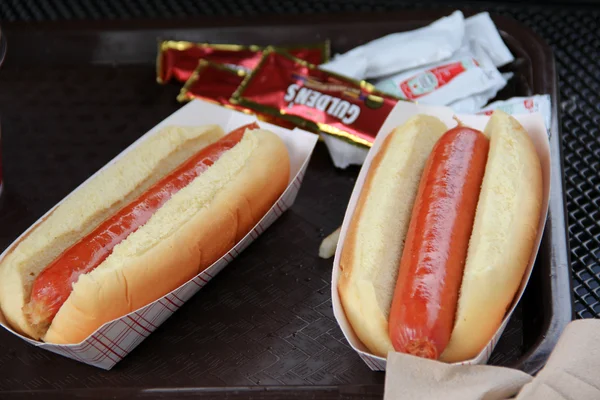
point(571, 373)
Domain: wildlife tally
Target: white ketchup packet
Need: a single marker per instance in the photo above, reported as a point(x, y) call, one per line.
point(469, 71)
point(474, 103)
point(402, 50)
point(481, 29)
point(344, 154)
point(425, 46)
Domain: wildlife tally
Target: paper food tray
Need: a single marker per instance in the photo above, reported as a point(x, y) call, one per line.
point(533, 124)
point(114, 340)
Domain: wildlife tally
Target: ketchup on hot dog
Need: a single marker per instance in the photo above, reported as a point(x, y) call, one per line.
point(54, 284)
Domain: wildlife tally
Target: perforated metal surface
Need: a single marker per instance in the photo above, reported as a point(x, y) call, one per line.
point(571, 31)
point(575, 40)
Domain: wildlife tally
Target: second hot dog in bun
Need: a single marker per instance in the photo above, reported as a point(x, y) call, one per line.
point(456, 259)
point(142, 227)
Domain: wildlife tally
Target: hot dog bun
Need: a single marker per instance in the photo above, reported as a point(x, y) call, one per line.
point(503, 238)
point(194, 228)
point(374, 241)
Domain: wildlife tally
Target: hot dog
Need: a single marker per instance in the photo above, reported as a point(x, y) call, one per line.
point(440, 287)
point(373, 245)
point(431, 267)
point(192, 207)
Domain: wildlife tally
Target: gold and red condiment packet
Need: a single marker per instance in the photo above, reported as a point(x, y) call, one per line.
point(213, 82)
point(216, 83)
point(295, 90)
point(178, 59)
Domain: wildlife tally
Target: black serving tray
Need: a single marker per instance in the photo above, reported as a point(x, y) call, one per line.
point(74, 94)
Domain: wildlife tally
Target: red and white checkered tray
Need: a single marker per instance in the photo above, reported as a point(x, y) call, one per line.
point(533, 124)
point(114, 340)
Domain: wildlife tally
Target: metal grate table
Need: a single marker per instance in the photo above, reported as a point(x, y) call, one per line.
point(570, 30)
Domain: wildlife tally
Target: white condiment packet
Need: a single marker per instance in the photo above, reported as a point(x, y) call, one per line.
point(541, 103)
point(474, 103)
point(431, 44)
point(344, 154)
point(352, 67)
point(467, 72)
point(402, 50)
point(481, 29)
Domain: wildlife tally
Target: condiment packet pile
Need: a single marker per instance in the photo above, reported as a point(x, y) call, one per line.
point(451, 62)
point(446, 62)
point(212, 72)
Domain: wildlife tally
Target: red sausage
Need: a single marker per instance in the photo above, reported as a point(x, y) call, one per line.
point(54, 284)
point(431, 268)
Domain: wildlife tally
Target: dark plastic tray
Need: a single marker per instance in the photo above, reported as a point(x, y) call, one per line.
point(74, 95)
